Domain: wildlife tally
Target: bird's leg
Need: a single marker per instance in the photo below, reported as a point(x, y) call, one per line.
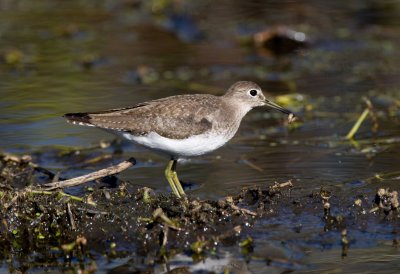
point(169, 174)
point(176, 179)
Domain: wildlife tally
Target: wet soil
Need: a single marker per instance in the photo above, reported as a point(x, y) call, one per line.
point(55, 230)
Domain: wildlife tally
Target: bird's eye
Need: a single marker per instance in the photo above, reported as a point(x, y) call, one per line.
point(253, 92)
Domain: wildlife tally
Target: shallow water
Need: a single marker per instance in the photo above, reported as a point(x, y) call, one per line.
point(84, 56)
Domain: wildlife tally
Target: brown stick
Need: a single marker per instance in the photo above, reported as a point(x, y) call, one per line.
point(92, 176)
point(243, 210)
point(71, 217)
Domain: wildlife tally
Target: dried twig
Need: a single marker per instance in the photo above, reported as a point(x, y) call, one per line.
point(165, 236)
point(230, 202)
point(71, 216)
point(281, 185)
point(92, 176)
point(93, 212)
point(243, 210)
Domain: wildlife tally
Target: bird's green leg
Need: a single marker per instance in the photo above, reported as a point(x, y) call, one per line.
point(169, 174)
point(176, 179)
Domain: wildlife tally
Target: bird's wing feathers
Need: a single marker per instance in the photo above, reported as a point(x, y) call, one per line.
point(175, 117)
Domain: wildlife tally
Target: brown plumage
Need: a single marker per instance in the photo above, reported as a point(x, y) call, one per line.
point(176, 117)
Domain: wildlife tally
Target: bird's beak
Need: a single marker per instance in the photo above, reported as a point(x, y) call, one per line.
point(291, 117)
point(278, 107)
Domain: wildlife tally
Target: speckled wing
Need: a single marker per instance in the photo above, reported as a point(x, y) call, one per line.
point(176, 117)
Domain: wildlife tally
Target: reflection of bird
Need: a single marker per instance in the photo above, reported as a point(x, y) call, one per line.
point(183, 125)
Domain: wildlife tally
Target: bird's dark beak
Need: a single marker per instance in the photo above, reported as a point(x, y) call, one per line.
point(291, 117)
point(278, 107)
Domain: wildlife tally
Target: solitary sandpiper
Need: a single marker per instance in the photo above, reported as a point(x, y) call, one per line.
point(181, 126)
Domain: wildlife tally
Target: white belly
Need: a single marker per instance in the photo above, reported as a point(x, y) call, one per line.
point(189, 147)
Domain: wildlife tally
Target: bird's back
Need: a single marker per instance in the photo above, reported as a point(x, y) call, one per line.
point(176, 117)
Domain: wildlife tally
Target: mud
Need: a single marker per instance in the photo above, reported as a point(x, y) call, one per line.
point(52, 229)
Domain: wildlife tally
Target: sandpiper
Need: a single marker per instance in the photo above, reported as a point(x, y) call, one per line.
point(181, 126)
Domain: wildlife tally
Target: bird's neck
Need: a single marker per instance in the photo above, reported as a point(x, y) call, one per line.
point(238, 109)
point(233, 117)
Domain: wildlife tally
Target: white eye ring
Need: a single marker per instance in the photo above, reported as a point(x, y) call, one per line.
point(253, 92)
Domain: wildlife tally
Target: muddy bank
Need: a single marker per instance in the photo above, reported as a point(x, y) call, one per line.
point(44, 229)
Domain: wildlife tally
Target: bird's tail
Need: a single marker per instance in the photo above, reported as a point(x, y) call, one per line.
point(80, 118)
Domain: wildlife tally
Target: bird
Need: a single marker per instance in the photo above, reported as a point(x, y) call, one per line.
point(181, 126)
